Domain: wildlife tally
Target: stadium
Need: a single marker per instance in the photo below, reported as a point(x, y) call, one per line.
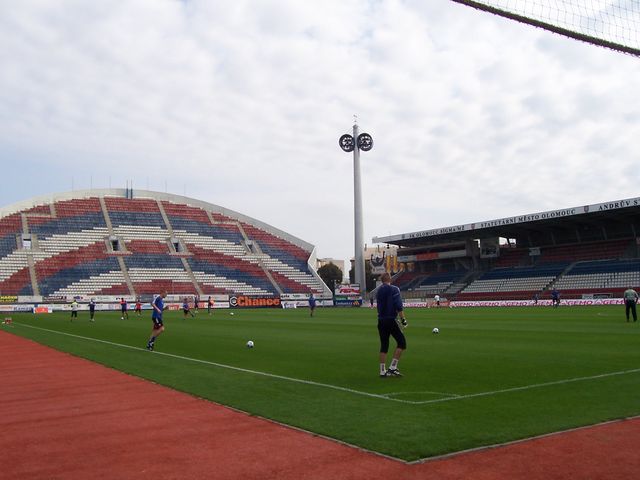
point(584, 252)
point(112, 243)
point(106, 245)
point(514, 350)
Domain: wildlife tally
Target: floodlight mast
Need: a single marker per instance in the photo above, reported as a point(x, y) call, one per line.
point(355, 143)
point(358, 266)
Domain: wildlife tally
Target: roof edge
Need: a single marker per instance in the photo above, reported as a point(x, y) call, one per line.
point(513, 220)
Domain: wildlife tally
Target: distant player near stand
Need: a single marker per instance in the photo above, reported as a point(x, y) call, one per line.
point(124, 309)
point(630, 301)
point(138, 309)
point(209, 304)
point(312, 304)
point(185, 308)
point(437, 300)
point(555, 298)
point(390, 307)
point(92, 310)
point(196, 303)
point(74, 309)
point(156, 316)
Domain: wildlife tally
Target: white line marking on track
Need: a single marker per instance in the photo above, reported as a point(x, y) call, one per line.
point(449, 398)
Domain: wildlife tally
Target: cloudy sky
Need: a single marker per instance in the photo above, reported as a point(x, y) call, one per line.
point(241, 103)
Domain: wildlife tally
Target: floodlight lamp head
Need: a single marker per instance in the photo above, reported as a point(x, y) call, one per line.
point(346, 143)
point(365, 142)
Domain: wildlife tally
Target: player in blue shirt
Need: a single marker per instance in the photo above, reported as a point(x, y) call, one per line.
point(92, 310)
point(389, 308)
point(555, 298)
point(156, 316)
point(312, 304)
point(124, 309)
point(185, 308)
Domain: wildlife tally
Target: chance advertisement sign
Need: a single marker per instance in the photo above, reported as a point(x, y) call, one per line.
point(254, 302)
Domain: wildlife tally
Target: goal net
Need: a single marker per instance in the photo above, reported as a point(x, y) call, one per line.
point(606, 23)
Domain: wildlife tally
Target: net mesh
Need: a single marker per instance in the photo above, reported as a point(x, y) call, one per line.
point(606, 23)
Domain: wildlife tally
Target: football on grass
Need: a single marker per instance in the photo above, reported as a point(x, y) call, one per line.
point(435, 330)
point(250, 344)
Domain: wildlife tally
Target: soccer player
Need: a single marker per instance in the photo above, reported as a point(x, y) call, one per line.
point(555, 298)
point(92, 310)
point(209, 304)
point(185, 308)
point(437, 300)
point(196, 303)
point(312, 304)
point(156, 317)
point(123, 309)
point(74, 309)
point(138, 309)
point(390, 307)
point(630, 300)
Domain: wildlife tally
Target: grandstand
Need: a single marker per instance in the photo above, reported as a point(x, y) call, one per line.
point(584, 252)
point(112, 242)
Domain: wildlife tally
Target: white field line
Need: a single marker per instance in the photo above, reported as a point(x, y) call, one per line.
point(442, 394)
point(529, 387)
point(450, 398)
point(221, 365)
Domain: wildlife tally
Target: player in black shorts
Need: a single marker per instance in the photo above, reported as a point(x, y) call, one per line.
point(156, 316)
point(92, 310)
point(124, 309)
point(196, 303)
point(185, 308)
point(389, 308)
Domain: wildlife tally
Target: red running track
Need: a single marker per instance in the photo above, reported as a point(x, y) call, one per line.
point(64, 417)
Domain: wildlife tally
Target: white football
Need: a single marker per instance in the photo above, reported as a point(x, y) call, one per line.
point(435, 330)
point(250, 344)
point(231, 313)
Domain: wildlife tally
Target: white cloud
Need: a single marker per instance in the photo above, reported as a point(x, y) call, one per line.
point(241, 104)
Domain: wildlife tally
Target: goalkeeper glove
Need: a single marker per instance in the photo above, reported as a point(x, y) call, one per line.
point(404, 322)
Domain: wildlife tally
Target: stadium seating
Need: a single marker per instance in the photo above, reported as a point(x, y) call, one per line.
point(596, 267)
point(512, 257)
point(121, 246)
point(611, 249)
point(437, 283)
point(606, 277)
point(510, 283)
point(14, 272)
point(407, 280)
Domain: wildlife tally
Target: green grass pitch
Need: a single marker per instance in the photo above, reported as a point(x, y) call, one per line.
point(490, 376)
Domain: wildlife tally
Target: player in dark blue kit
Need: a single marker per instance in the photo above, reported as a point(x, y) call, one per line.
point(124, 309)
point(555, 298)
point(185, 308)
point(156, 316)
point(92, 310)
point(389, 308)
point(312, 304)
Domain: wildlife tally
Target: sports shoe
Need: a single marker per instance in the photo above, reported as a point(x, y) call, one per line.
point(393, 372)
point(383, 375)
point(150, 347)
